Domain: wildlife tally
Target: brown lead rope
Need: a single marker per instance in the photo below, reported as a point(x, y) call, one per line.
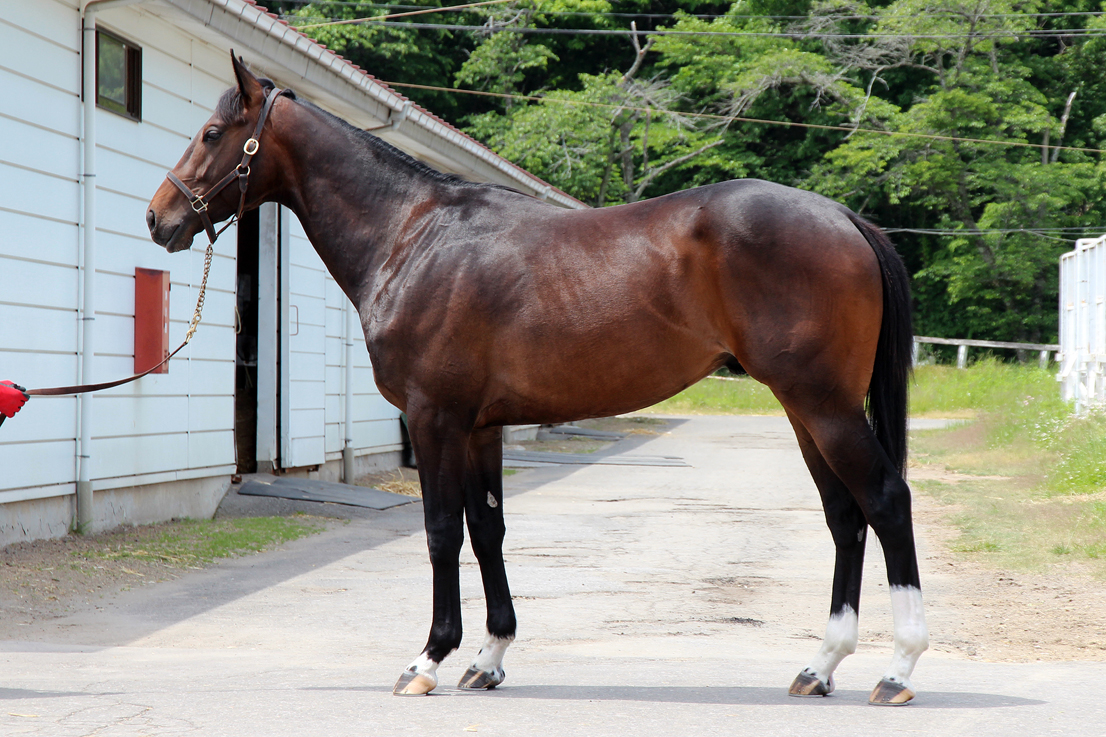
point(199, 205)
point(83, 388)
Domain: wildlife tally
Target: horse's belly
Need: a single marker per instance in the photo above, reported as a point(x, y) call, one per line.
point(599, 377)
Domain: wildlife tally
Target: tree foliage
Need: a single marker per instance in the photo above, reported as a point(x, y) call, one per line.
point(945, 121)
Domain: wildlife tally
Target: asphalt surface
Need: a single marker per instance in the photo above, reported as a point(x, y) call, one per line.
point(651, 601)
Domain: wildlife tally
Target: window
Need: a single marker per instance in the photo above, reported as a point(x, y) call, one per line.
point(118, 75)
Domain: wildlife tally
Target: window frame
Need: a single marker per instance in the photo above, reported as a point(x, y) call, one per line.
point(132, 78)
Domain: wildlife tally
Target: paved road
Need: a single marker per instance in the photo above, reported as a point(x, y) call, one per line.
point(651, 601)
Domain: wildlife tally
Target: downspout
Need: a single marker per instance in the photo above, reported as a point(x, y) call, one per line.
point(348, 475)
point(89, 8)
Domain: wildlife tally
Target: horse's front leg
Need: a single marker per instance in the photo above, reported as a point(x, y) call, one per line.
point(441, 444)
point(484, 513)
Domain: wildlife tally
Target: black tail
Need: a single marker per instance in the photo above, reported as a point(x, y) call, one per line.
point(894, 353)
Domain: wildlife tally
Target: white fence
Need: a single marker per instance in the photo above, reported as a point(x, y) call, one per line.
point(1083, 323)
point(1042, 349)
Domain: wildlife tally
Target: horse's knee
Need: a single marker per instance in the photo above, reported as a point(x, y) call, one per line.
point(444, 539)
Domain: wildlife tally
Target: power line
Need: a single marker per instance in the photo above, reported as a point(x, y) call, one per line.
point(741, 119)
point(1014, 35)
point(379, 18)
point(707, 16)
point(1039, 232)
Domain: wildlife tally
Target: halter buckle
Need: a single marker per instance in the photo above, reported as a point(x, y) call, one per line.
point(250, 150)
point(202, 204)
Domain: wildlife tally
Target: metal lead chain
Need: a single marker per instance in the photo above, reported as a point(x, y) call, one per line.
point(196, 316)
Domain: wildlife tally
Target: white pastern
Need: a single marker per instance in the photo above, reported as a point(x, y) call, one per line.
point(841, 638)
point(490, 657)
point(911, 635)
point(426, 667)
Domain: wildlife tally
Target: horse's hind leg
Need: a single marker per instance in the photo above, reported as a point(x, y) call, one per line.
point(850, 449)
point(484, 514)
point(440, 442)
point(848, 527)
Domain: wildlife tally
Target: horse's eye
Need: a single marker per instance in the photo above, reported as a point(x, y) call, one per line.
point(212, 134)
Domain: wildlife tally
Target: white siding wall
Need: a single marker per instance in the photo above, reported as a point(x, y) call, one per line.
point(306, 351)
point(163, 427)
point(376, 422)
point(317, 358)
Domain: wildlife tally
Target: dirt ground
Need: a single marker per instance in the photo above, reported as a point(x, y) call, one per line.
point(46, 579)
point(980, 612)
point(1000, 615)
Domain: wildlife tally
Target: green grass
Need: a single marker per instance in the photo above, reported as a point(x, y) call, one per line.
point(742, 396)
point(1048, 509)
point(199, 542)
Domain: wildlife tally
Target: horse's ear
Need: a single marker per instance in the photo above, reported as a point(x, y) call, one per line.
point(252, 93)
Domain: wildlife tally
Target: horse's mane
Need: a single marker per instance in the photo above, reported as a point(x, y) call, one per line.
point(230, 109)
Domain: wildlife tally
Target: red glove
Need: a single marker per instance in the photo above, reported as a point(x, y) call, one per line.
point(12, 399)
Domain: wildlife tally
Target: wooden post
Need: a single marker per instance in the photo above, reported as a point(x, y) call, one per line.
point(961, 356)
point(1043, 362)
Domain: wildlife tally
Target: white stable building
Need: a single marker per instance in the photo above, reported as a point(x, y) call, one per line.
point(1083, 324)
point(266, 375)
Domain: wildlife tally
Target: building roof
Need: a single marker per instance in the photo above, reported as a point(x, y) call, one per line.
point(263, 37)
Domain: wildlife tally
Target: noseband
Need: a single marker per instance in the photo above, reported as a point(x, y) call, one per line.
point(241, 172)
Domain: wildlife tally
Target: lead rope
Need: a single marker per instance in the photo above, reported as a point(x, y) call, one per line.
point(193, 324)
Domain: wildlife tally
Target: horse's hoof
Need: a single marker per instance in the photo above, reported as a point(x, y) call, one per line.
point(476, 679)
point(411, 683)
point(890, 693)
point(807, 684)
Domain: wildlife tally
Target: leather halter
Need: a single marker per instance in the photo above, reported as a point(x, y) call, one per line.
point(199, 205)
point(241, 172)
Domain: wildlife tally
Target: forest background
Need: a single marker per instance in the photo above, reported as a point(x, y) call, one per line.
point(968, 129)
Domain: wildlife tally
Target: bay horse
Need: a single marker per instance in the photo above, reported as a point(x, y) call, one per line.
point(484, 307)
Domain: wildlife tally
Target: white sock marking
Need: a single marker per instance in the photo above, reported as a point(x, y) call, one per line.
point(841, 638)
point(490, 657)
point(425, 667)
point(911, 635)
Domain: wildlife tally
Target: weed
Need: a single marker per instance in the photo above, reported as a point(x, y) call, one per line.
point(194, 543)
point(978, 546)
point(737, 396)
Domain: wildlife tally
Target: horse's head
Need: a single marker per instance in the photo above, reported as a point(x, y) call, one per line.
point(216, 156)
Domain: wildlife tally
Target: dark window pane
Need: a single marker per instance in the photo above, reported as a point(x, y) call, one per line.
point(118, 75)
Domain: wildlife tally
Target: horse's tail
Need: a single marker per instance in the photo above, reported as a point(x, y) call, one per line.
point(894, 352)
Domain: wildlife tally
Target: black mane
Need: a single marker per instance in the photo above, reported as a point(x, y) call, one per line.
point(230, 109)
point(402, 157)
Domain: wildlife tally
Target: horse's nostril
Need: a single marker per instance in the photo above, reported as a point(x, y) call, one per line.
point(151, 220)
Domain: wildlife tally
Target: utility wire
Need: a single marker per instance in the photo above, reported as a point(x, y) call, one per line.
point(1030, 33)
point(377, 18)
point(714, 116)
point(1039, 232)
point(707, 16)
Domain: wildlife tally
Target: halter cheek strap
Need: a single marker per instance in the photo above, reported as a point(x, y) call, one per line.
point(200, 203)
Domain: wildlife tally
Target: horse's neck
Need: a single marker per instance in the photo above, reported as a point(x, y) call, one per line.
point(352, 200)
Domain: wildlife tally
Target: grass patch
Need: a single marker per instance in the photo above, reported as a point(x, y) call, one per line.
point(1051, 507)
point(195, 543)
point(936, 391)
point(739, 396)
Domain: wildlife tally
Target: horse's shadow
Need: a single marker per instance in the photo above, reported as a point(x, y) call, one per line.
point(723, 695)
